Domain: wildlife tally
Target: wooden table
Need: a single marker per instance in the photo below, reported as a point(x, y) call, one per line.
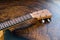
point(49, 31)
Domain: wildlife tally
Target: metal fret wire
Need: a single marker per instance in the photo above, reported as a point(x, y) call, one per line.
point(14, 21)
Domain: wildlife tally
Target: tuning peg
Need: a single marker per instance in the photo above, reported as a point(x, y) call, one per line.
point(43, 21)
point(48, 20)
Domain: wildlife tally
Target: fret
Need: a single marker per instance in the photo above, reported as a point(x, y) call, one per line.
point(5, 24)
point(28, 16)
point(2, 26)
point(9, 23)
point(25, 17)
point(14, 21)
point(21, 18)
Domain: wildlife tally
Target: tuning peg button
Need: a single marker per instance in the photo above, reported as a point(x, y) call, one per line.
point(48, 20)
point(43, 21)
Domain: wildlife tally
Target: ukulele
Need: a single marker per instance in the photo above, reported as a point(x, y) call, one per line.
point(39, 15)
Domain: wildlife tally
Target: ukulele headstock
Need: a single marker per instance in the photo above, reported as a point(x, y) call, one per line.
point(43, 15)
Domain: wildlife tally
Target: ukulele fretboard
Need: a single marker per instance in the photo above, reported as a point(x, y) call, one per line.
point(9, 23)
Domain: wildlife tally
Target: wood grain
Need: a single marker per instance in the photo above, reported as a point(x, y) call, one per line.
point(39, 31)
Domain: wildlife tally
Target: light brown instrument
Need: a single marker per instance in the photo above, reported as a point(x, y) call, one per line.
point(39, 15)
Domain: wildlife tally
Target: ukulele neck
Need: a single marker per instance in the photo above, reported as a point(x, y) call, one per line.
point(39, 15)
point(14, 21)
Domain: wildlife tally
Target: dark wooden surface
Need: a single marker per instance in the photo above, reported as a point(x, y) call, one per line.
point(49, 31)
